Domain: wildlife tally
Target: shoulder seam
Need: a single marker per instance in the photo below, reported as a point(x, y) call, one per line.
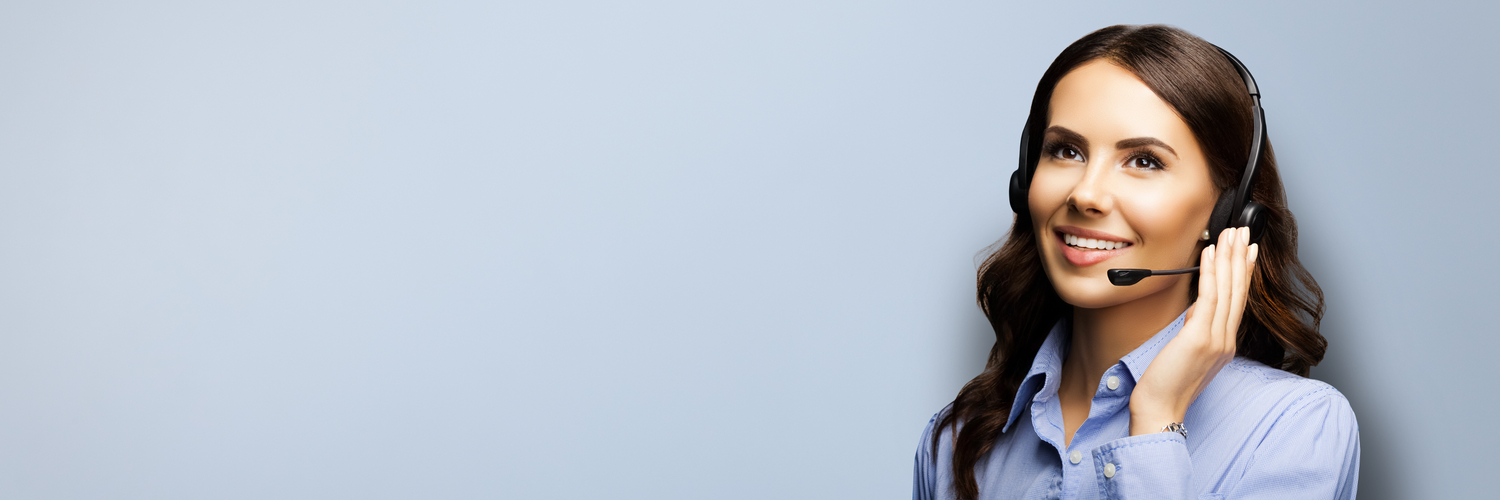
point(1298, 405)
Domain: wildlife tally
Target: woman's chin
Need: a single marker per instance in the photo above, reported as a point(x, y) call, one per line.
point(1091, 292)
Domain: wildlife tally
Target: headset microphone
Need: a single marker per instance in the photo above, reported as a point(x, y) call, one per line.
point(1127, 277)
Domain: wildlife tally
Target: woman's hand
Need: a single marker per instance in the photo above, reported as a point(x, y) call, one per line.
point(1207, 340)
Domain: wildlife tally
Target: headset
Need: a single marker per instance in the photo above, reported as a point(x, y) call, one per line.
point(1234, 208)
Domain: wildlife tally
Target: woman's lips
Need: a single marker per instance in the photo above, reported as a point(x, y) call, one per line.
point(1086, 256)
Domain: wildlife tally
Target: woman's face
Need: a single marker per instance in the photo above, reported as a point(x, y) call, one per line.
point(1118, 167)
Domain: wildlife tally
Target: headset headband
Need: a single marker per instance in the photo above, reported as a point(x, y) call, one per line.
point(1257, 140)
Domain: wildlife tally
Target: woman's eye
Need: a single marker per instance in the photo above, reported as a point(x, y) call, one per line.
point(1068, 153)
point(1145, 162)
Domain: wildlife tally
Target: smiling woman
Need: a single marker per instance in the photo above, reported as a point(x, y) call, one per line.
point(1137, 136)
point(1129, 187)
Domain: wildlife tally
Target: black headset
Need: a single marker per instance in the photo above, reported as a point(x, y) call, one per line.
point(1234, 202)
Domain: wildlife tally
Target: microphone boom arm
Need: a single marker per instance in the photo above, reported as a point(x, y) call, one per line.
point(1127, 277)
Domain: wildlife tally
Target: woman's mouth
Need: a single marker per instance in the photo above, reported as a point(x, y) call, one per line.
point(1089, 251)
point(1092, 244)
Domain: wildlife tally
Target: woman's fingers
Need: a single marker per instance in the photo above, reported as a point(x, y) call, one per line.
point(1224, 282)
point(1201, 316)
point(1241, 283)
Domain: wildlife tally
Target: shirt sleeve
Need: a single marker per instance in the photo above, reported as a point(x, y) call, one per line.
point(1152, 466)
point(1310, 452)
point(924, 478)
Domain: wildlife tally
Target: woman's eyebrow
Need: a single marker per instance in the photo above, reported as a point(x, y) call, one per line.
point(1070, 136)
point(1144, 141)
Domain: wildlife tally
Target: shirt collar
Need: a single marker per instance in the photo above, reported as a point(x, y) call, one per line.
point(1046, 369)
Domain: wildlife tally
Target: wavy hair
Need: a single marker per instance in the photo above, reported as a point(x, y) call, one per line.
point(1284, 307)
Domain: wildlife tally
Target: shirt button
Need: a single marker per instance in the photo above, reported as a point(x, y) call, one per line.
point(1075, 457)
point(1109, 471)
point(1113, 383)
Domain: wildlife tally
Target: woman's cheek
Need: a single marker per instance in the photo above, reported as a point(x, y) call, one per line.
point(1047, 194)
point(1160, 217)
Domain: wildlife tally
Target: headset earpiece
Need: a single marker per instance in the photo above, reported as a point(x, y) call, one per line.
point(1018, 182)
point(1018, 195)
point(1221, 216)
point(1254, 216)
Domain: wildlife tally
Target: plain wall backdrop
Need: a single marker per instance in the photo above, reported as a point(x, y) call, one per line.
point(338, 249)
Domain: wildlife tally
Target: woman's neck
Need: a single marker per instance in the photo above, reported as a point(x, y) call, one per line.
point(1102, 336)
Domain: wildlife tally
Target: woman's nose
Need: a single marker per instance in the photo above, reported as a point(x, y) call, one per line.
point(1091, 196)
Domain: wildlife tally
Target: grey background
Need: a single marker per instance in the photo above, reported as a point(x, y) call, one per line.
point(325, 249)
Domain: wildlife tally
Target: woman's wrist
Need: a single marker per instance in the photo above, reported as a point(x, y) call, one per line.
point(1150, 421)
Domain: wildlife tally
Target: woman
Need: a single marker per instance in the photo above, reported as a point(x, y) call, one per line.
point(1137, 137)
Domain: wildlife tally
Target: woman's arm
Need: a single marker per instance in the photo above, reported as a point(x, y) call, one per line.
point(924, 477)
point(1207, 341)
point(1311, 451)
point(1306, 446)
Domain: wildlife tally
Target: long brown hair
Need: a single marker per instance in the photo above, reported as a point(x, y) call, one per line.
point(1285, 305)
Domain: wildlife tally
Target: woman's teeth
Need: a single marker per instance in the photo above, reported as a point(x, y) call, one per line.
point(1093, 243)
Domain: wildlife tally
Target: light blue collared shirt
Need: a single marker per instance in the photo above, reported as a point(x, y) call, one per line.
point(1254, 432)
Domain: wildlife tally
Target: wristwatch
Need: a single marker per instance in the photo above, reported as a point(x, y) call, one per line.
point(1176, 427)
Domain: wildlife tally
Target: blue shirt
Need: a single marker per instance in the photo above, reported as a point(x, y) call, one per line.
point(1254, 432)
